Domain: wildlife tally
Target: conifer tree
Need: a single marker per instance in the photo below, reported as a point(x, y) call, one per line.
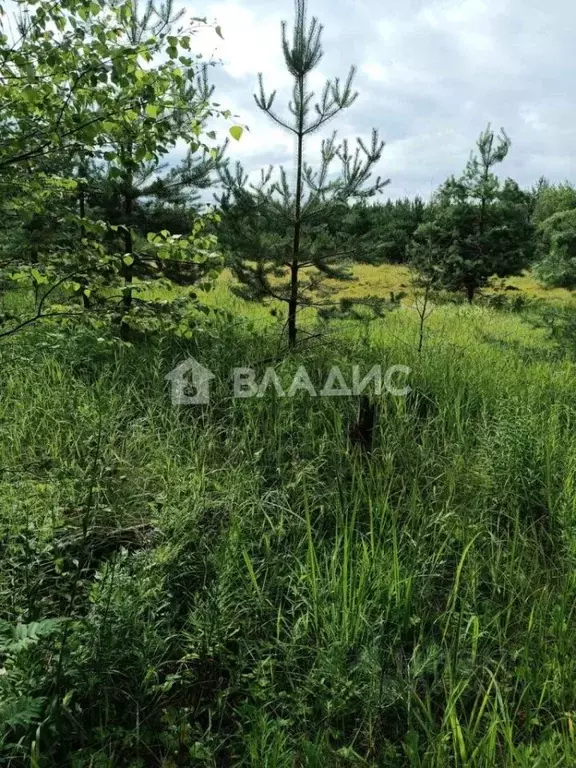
point(477, 227)
point(86, 82)
point(162, 199)
point(135, 180)
point(280, 235)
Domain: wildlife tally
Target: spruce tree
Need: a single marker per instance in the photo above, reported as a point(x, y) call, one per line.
point(280, 236)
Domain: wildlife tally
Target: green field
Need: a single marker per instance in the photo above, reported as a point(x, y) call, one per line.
point(244, 587)
point(381, 281)
point(287, 479)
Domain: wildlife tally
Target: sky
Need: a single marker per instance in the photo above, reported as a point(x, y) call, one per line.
point(431, 75)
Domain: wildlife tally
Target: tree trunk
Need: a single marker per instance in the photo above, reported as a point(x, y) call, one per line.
point(295, 266)
point(470, 291)
point(127, 271)
point(82, 211)
point(293, 306)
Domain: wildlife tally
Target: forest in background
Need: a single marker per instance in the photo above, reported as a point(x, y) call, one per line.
point(273, 581)
point(96, 217)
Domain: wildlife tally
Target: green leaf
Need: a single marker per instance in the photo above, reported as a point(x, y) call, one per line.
point(219, 31)
point(152, 110)
point(236, 132)
point(18, 637)
point(128, 260)
point(20, 711)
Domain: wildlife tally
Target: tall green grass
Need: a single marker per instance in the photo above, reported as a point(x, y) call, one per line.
point(291, 601)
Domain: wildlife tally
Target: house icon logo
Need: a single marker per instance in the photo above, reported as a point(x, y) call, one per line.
point(190, 383)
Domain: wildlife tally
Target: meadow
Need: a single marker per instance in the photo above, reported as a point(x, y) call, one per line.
point(375, 579)
point(381, 281)
point(235, 584)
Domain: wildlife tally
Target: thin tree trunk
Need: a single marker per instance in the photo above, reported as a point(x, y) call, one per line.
point(127, 269)
point(422, 314)
point(34, 248)
point(483, 203)
point(295, 266)
point(471, 287)
point(82, 211)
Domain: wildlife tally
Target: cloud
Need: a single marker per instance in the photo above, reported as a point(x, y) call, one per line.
point(431, 75)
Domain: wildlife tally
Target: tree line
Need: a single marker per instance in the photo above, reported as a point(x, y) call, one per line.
point(96, 96)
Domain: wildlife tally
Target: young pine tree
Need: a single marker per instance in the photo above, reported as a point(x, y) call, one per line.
point(135, 192)
point(557, 244)
point(281, 236)
point(477, 227)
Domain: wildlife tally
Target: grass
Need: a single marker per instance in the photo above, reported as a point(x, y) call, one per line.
point(395, 279)
point(382, 281)
point(244, 588)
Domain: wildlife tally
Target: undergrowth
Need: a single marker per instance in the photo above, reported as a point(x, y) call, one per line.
point(235, 584)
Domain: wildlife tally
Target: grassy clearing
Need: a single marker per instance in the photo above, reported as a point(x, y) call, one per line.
point(394, 279)
point(246, 589)
point(383, 280)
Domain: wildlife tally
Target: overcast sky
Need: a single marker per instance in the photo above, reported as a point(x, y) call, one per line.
point(431, 75)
